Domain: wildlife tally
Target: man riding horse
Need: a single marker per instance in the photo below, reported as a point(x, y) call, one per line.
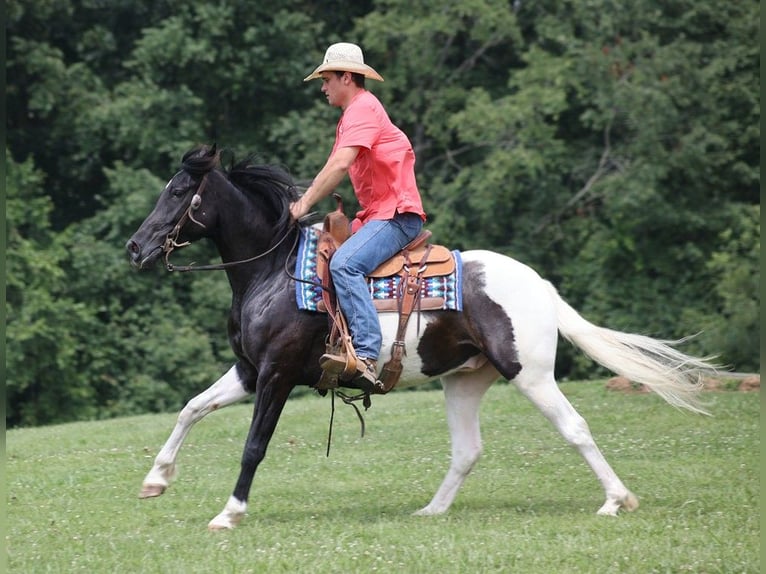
point(380, 162)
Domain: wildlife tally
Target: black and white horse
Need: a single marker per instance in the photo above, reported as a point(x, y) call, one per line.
point(508, 327)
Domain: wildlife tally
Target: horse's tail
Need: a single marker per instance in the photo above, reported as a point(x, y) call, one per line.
point(673, 375)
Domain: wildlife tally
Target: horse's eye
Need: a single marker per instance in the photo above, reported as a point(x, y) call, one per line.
point(178, 191)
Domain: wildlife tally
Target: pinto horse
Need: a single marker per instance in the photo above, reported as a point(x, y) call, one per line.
point(508, 327)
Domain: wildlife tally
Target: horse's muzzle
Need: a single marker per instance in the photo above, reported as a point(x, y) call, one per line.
point(137, 258)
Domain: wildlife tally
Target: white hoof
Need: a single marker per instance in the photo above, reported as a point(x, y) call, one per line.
point(630, 502)
point(152, 490)
point(612, 506)
point(157, 481)
point(428, 511)
point(230, 517)
point(217, 525)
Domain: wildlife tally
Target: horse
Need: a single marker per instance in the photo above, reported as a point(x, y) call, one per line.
point(508, 328)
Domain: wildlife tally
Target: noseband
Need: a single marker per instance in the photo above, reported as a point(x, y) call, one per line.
point(171, 241)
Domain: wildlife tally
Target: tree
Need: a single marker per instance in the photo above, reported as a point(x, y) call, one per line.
point(611, 146)
point(63, 59)
point(44, 326)
point(734, 330)
point(161, 338)
point(607, 163)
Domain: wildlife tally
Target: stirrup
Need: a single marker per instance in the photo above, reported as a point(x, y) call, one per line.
point(352, 372)
point(343, 366)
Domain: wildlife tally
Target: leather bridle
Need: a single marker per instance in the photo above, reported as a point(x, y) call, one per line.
point(171, 241)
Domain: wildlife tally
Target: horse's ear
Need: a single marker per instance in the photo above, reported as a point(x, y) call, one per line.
point(213, 150)
point(226, 159)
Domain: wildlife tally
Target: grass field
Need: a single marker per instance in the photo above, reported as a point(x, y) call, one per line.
point(528, 507)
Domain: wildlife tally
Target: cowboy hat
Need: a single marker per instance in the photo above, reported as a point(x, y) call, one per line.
point(344, 57)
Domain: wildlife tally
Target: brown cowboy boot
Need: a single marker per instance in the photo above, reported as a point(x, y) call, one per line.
point(363, 376)
point(367, 375)
point(341, 365)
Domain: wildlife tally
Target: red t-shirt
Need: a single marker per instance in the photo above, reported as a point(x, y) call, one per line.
point(383, 173)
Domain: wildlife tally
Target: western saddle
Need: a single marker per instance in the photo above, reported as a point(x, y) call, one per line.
point(418, 260)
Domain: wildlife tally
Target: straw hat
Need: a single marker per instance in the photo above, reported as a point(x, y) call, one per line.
point(344, 57)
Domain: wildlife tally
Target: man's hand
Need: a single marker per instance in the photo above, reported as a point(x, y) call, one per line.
point(297, 209)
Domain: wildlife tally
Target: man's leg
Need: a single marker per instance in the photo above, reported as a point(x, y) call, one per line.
point(375, 242)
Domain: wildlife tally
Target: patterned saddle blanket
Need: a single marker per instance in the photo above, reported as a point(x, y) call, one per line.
point(438, 292)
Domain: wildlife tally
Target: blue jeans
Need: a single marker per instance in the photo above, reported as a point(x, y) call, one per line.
point(359, 255)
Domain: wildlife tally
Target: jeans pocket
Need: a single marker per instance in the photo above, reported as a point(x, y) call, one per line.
point(409, 223)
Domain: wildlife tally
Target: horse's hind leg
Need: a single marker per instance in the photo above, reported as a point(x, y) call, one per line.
point(225, 391)
point(463, 393)
point(545, 394)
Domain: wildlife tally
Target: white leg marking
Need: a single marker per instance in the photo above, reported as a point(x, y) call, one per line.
point(545, 394)
point(230, 516)
point(225, 391)
point(463, 393)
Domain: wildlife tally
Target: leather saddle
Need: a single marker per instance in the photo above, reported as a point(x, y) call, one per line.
point(418, 260)
point(431, 261)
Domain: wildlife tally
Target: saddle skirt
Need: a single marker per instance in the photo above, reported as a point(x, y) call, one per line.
point(441, 286)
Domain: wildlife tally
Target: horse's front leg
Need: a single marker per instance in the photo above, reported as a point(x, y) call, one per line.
point(225, 391)
point(270, 400)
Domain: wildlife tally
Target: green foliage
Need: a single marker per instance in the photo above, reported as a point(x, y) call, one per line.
point(735, 329)
point(44, 326)
point(160, 342)
point(611, 146)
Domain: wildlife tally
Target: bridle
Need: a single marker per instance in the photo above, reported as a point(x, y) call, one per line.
point(171, 241)
point(171, 244)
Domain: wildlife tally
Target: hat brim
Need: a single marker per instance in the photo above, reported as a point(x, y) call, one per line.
point(341, 66)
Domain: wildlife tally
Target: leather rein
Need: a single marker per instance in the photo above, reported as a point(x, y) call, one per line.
point(171, 244)
point(171, 241)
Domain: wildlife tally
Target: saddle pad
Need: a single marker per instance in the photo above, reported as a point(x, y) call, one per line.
point(446, 289)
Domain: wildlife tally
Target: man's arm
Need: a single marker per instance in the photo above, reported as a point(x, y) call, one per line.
point(326, 180)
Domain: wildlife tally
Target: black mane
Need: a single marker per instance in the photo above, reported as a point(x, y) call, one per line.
point(271, 183)
point(201, 160)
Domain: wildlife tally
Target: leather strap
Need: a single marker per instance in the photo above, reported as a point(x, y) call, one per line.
point(410, 296)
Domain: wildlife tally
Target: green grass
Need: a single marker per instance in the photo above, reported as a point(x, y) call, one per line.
point(529, 506)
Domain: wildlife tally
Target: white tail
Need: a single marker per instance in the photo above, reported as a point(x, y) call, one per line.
point(673, 375)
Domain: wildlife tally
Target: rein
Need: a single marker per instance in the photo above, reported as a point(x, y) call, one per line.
point(219, 266)
point(171, 244)
point(349, 400)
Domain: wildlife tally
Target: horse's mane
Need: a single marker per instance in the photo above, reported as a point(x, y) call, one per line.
point(272, 183)
point(201, 160)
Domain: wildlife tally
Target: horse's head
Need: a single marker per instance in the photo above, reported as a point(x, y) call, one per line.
point(241, 208)
point(179, 217)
